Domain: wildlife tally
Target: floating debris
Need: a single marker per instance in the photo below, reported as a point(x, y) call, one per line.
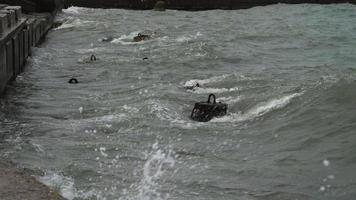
point(73, 81)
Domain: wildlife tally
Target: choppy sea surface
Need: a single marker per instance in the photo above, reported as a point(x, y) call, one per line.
point(288, 73)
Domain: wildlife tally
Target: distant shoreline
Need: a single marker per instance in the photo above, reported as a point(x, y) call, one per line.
point(192, 5)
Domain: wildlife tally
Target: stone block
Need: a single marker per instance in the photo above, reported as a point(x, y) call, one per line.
point(2, 6)
point(17, 10)
point(3, 24)
point(9, 61)
point(16, 55)
point(11, 17)
point(21, 50)
point(38, 34)
point(3, 74)
point(26, 43)
point(8, 17)
point(30, 39)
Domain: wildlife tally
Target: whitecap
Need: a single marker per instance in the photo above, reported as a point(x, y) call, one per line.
point(200, 90)
point(72, 10)
point(213, 79)
point(258, 110)
point(229, 100)
point(126, 39)
point(72, 23)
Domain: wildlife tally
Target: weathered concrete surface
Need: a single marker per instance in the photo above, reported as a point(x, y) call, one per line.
point(29, 6)
point(15, 184)
point(18, 33)
point(3, 73)
point(192, 4)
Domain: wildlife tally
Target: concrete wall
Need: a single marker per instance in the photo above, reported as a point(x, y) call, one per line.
point(18, 33)
point(191, 4)
point(31, 6)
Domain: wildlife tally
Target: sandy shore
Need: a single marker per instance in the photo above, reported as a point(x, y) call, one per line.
point(15, 184)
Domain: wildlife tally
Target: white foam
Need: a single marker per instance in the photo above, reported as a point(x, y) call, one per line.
point(258, 110)
point(326, 163)
point(102, 151)
point(126, 39)
point(228, 100)
point(38, 147)
point(200, 90)
point(71, 22)
point(187, 38)
point(91, 50)
point(111, 118)
point(273, 104)
point(158, 163)
point(64, 185)
point(72, 10)
point(154, 168)
point(201, 82)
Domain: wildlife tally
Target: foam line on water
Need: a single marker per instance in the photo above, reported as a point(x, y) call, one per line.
point(229, 100)
point(258, 110)
point(187, 38)
point(213, 79)
point(72, 23)
point(200, 90)
point(126, 39)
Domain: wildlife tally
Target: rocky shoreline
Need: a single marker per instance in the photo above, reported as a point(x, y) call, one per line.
point(16, 184)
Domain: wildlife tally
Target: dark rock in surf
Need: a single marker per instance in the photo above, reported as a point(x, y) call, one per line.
point(205, 111)
point(106, 39)
point(141, 37)
point(192, 87)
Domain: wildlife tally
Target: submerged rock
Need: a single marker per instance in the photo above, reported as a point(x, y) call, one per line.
point(141, 37)
point(106, 39)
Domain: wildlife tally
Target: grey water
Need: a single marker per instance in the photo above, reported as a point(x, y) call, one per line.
point(124, 132)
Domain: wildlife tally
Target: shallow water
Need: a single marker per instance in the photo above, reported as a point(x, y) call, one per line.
point(286, 71)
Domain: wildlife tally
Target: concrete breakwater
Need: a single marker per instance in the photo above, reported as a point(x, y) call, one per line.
point(192, 4)
point(18, 34)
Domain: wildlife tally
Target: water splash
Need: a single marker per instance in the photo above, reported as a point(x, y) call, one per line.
point(213, 79)
point(158, 163)
point(258, 110)
point(126, 39)
point(72, 10)
point(65, 185)
point(187, 38)
point(200, 90)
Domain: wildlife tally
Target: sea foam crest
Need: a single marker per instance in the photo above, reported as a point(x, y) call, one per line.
point(199, 90)
point(258, 110)
point(126, 39)
point(213, 79)
point(72, 10)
